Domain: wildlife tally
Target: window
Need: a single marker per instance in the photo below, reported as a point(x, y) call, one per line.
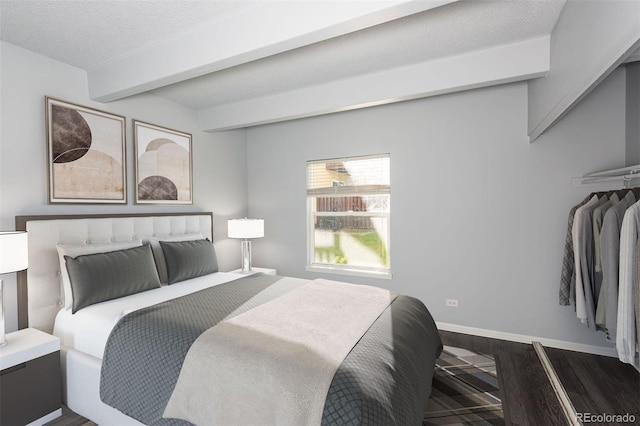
point(349, 207)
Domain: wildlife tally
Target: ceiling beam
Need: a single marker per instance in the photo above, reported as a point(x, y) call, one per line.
point(590, 40)
point(269, 28)
point(633, 57)
point(503, 64)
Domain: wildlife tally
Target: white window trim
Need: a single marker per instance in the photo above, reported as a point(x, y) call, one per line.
point(385, 274)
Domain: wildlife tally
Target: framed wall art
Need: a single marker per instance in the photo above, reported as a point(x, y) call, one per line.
point(163, 165)
point(86, 154)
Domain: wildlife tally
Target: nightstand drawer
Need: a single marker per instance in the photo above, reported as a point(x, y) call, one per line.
point(30, 390)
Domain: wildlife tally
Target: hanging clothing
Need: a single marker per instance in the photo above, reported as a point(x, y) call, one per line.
point(590, 282)
point(568, 263)
point(579, 247)
point(601, 267)
point(601, 319)
point(598, 217)
point(636, 291)
point(610, 256)
point(626, 324)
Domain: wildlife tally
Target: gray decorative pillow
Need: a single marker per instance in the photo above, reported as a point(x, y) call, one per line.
point(189, 259)
point(159, 256)
point(82, 249)
point(100, 277)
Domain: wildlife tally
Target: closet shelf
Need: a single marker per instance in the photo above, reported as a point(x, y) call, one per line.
point(625, 177)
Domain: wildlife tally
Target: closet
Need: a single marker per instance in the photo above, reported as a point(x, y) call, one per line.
point(601, 264)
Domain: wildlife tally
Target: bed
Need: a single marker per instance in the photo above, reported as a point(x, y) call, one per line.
point(214, 347)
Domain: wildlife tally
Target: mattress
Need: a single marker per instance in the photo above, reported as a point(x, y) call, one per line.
point(87, 330)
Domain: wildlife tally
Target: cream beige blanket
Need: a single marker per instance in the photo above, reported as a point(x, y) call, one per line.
point(274, 364)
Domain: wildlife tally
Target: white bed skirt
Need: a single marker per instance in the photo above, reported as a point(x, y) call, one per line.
point(81, 389)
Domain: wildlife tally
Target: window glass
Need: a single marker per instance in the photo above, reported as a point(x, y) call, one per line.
point(349, 206)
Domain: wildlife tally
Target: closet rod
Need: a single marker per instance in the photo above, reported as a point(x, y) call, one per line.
point(625, 177)
point(624, 171)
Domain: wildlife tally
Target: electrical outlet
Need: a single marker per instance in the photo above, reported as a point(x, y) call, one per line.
point(452, 303)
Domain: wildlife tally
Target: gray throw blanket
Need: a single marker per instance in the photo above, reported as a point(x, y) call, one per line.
point(384, 380)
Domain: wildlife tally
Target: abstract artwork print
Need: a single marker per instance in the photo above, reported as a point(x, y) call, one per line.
point(163, 165)
point(86, 150)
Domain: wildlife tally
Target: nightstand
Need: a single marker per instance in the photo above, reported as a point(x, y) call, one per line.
point(255, 270)
point(30, 378)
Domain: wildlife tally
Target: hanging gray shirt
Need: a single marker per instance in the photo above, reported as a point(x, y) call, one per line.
point(610, 256)
point(586, 251)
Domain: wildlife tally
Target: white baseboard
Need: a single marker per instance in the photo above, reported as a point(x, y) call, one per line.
point(521, 338)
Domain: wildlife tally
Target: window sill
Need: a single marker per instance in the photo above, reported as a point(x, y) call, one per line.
point(350, 272)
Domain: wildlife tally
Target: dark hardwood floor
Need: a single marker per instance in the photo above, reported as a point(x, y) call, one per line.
point(527, 395)
point(69, 418)
point(595, 384)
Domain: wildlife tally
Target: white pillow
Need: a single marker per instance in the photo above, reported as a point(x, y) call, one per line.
point(158, 255)
point(79, 250)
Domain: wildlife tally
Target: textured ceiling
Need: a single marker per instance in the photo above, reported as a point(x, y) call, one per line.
point(448, 30)
point(88, 34)
point(97, 33)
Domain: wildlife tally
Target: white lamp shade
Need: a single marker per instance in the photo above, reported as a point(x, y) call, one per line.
point(13, 251)
point(246, 228)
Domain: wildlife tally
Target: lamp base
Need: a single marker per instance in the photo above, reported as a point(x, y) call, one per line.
point(246, 256)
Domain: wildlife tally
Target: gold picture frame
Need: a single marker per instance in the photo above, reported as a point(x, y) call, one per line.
point(163, 165)
point(86, 154)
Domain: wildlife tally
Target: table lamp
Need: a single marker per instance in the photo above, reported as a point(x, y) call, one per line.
point(14, 257)
point(246, 228)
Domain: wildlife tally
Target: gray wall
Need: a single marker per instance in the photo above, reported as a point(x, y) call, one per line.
point(219, 160)
point(633, 114)
point(478, 213)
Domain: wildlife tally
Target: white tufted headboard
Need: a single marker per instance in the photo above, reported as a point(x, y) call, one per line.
point(39, 290)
